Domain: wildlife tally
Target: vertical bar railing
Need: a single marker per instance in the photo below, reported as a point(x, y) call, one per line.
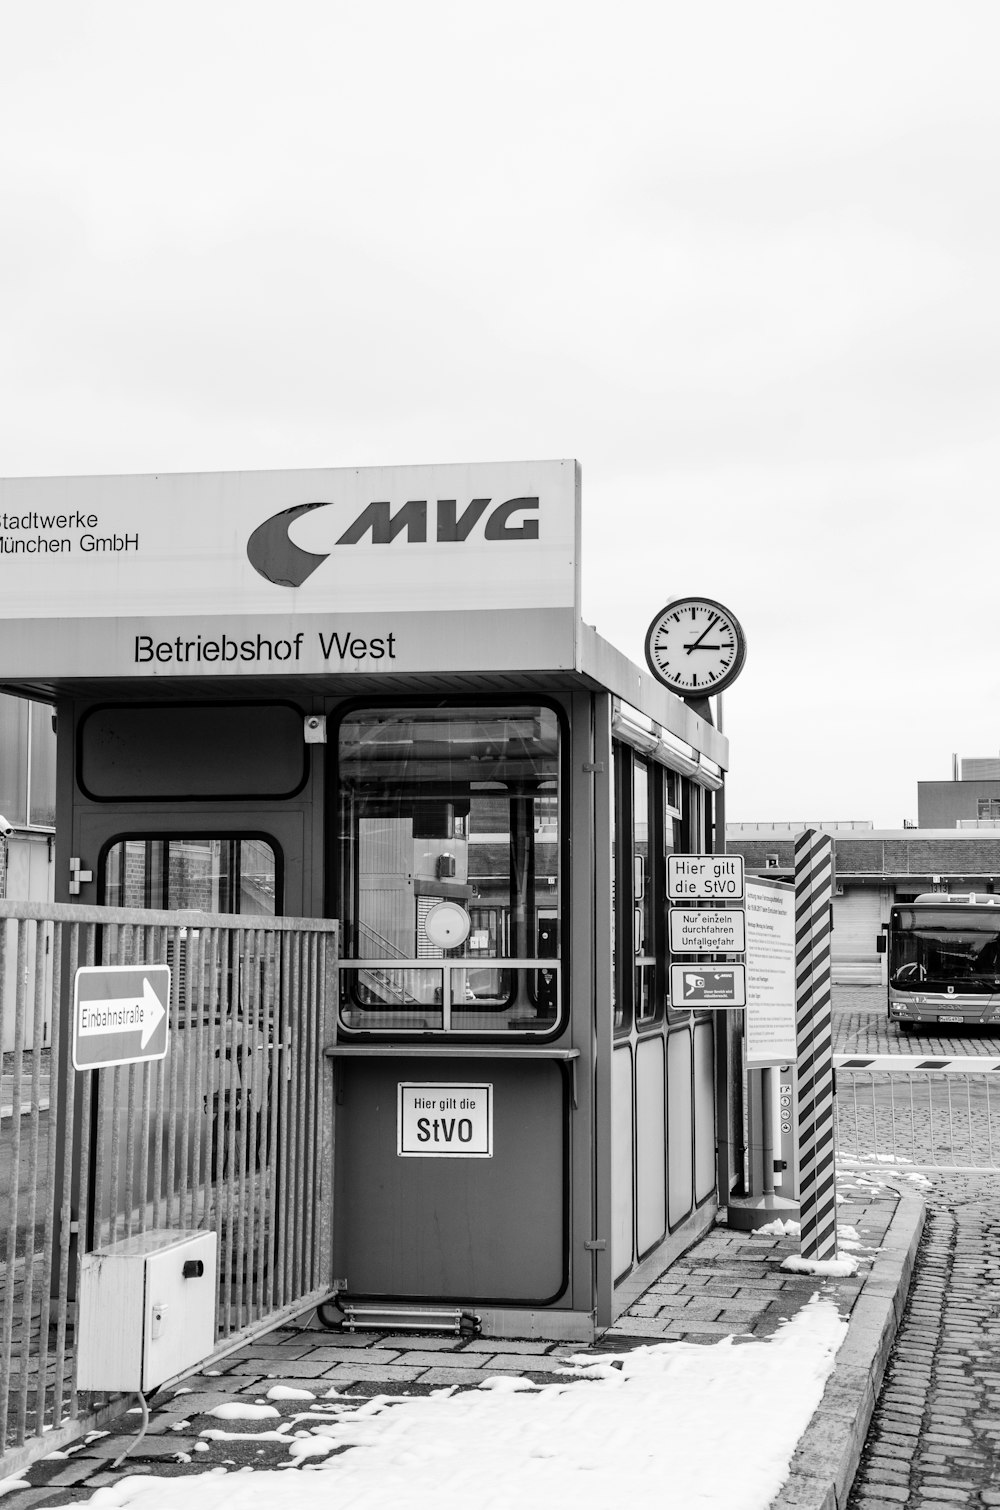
point(915, 1113)
point(230, 1132)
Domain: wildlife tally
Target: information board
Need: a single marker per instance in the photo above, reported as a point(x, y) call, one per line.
point(770, 961)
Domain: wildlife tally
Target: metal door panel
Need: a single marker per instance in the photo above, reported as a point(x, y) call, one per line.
point(650, 1144)
point(453, 1228)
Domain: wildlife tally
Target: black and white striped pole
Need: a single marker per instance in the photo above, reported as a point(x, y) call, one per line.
point(814, 1041)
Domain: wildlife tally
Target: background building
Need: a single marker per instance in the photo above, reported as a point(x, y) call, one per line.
point(954, 846)
point(971, 799)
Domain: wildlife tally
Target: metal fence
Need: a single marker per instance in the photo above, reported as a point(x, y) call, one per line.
point(230, 1132)
point(919, 1111)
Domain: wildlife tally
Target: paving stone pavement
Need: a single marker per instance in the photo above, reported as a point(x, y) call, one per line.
point(730, 1283)
point(935, 1434)
point(861, 1026)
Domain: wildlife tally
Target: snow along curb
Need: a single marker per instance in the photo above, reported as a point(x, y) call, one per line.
point(827, 1457)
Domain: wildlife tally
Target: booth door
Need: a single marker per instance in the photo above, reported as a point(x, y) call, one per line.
point(444, 1225)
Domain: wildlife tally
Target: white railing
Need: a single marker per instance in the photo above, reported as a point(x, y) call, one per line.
point(231, 1132)
point(919, 1110)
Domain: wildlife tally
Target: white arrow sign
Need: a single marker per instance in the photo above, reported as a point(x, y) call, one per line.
point(120, 1014)
point(123, 1014)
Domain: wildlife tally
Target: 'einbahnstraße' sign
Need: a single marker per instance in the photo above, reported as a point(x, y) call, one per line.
point(120, 1014)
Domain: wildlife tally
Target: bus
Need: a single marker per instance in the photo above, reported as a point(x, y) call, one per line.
point(944, 960)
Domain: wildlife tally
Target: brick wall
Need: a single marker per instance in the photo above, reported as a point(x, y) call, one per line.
point(973, 858)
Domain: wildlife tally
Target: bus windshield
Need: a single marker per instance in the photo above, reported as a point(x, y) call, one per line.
point(939, 947)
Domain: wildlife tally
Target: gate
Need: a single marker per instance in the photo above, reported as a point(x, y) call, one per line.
point(918, 1111)
point(231, 1132)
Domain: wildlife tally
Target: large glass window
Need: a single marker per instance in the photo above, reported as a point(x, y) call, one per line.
point(638, 882)
point(647, 827)
point(644, 940)
point(945, 948)
point(450, 891)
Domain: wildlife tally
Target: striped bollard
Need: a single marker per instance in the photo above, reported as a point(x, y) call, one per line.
point(814, 1040)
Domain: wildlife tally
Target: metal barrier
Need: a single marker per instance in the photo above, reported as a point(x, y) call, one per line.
point(231, 1132)
point(919, 1111)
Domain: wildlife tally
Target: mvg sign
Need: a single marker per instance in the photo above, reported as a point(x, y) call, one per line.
point(426, 554)
point(277, 558)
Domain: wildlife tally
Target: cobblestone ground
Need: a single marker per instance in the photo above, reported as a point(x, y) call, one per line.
point(951, 1122)
point(935, 1436)
point(860, 1026)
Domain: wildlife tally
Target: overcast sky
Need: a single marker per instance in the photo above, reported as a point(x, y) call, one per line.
point(741, 259)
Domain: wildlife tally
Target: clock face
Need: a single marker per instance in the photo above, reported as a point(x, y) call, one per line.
point(695, 647)
point(447, 925)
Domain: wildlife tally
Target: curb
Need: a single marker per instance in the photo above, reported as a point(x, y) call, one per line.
point(829, 1451)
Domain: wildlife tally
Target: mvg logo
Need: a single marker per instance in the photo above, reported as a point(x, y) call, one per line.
point(277, 558)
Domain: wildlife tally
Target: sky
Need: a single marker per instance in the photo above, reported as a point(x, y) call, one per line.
point(672, 1424)
point(738, 260)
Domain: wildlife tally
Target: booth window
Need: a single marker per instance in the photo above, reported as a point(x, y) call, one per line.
point(199, 875)
point(643, 940)
point(673, 843)
point(644, 792)
point(179, 874)
point(450, 869)
point(691, 822)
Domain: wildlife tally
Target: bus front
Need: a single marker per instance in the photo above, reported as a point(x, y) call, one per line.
point(944, 961)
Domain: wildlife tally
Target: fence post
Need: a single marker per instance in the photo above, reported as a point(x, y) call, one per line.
point(814, 1041)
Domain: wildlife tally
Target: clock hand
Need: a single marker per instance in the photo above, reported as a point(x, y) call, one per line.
point(698, 646)
point(708, 627)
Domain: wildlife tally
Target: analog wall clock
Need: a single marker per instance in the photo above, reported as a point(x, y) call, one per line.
point(447, 925)
point(695, 647)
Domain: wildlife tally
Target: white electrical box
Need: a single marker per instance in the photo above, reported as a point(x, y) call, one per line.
point(147, 1310)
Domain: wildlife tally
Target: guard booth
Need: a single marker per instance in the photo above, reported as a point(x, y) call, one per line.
point(369, 695)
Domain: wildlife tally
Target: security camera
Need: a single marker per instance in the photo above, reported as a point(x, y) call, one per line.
point(6, 828)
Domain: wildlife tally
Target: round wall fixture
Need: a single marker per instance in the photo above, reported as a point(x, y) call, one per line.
point(447, 925)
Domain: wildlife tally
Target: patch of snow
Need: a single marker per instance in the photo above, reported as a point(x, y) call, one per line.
point(777, 1228)
point(240, 1410)
point(832, 1268)
point(712, 1425)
